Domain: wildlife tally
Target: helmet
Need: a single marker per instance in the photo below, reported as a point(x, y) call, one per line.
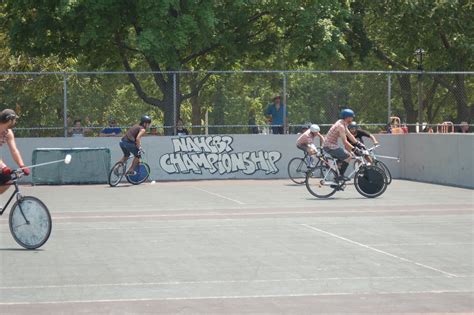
point(314, 128)
point(145, 119)
point(353, 125)
point(347, 113)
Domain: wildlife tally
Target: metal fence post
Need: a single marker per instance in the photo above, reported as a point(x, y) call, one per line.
point(420, 101)
point(65, 104)
point(285, 122)
point(389, 97)
point(175, 112)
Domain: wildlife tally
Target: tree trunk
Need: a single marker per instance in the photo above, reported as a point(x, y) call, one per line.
point(462, 108)
point(406, 93)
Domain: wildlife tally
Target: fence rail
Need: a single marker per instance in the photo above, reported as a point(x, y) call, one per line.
point(234, 101)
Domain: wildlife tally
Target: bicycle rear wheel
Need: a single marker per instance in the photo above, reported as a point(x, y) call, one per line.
point(321, 181)
point(142, 172)
point(116, 174)
point(383, 166)
point(33, 232)
point(297, 169)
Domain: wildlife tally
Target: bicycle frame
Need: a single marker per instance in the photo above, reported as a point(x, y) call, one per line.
point(16, 193)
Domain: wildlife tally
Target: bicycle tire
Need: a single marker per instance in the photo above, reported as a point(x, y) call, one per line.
point(36, 233)
point(383, 166)
point(116, 174)
point(370, 181)
point(316, 179)
point(142, 173)
point(297, 169)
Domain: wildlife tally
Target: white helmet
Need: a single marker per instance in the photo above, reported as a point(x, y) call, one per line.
point(314, 128)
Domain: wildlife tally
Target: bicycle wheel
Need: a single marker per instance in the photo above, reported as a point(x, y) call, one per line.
point(142, 172)
point(321, 181)
point(297, 169)
point(33, 232)
point(383, 166)
point(116, 174)
point(370, 181)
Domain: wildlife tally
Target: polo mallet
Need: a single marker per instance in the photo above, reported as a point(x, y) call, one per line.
point(66, 160)
point(388, 157)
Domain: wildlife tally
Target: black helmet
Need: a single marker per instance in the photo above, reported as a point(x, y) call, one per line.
point(353, 125)
point(145, 120)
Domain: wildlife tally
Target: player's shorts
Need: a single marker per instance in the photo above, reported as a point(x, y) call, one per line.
point(4, 178)
point(338, 153)
point(129, 147)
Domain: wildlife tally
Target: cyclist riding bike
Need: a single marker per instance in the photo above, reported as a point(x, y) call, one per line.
point(8, 119)
point(340, 131)
point(359, 135)
point(305, 141)
point(131, 143)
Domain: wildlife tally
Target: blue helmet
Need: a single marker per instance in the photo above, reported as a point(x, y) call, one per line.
point(347, 113)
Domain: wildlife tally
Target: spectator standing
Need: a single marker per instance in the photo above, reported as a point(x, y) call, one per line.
point(77, 131)
point(275, 115)
point(112, 130)
point(180, 130)
point(463, 127)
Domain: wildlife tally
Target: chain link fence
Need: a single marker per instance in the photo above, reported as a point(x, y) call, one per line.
point(57, 104)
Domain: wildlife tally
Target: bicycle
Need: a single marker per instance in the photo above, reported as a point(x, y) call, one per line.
point(298, 167)
point(30, 221)
point(379, 163)
point(324, 179)
point(118, 171)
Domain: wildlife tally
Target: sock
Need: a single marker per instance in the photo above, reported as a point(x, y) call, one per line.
point(343, 167)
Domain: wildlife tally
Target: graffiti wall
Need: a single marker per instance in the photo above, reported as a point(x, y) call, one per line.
point(216, 155)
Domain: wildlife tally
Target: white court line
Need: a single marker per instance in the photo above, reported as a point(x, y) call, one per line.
point(2, 219)
point(224, 282)
point(219, 195)
point(379, 251)
point(226, 297)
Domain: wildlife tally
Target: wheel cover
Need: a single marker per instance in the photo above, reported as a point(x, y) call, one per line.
point(141, 173)
point(371, 180)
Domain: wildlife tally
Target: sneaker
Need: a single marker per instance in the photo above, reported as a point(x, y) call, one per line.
point(342, 178)
point(132, 173)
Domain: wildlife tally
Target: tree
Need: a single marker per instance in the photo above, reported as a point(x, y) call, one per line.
point(168, 35)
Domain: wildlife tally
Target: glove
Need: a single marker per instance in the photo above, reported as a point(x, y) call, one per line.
point(358, 151)
point(7, 171)
point(26, 170)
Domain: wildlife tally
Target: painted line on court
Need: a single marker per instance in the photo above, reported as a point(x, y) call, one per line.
point(225, 297)
point(219, 195)
point(379, 250)
point(163, 283)
point(238, 214)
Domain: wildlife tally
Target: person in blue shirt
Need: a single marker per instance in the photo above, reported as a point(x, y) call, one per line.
point(112, 130)
point(274, 114)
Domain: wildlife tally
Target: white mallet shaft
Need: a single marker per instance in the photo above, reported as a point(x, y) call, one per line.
point(66, 160)
point(388, 157)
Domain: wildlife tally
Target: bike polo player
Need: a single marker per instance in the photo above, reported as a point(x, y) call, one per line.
point(131, 142)
point(340, 131)
point(7, 121)
point(305, 141)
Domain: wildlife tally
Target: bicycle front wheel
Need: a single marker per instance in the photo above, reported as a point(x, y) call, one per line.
point(370, 181)
point(321, 181)
point(30, 222)
point(297, 169)
point(383, 166)
point(116, 174)
point(142, 172)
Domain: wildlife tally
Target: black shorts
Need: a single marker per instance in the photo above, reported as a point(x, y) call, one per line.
point(4, 178)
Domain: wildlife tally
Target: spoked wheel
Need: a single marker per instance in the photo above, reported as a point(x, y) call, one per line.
point(142, 172)
point(30, 222)
point(321, 181)
point(370, 181)
point(383, 166)
point(116, 174)
point(297, 170)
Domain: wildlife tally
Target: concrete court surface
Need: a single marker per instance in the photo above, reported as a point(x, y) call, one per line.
point(244, 247)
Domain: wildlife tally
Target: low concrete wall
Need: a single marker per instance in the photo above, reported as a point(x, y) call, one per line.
point(204, 157)
point(444, 159)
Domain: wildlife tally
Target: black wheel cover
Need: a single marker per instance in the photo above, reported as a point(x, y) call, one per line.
point(371, 180)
